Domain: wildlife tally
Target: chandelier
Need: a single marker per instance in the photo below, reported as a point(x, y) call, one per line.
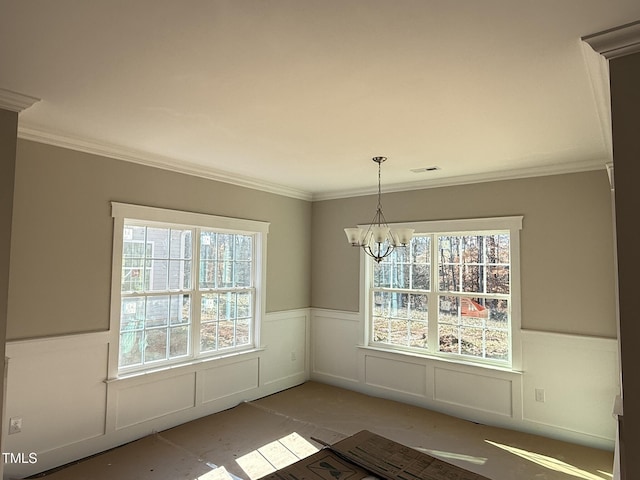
point(378, 240)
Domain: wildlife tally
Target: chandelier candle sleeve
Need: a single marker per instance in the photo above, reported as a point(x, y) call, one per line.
point(378, 240)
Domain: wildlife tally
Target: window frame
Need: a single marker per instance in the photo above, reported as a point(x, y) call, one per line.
point(139, 214)
point(511, 224)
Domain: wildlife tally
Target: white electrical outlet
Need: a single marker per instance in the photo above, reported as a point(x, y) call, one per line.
point(293, 356)
point(15, 425)
point(540, 396)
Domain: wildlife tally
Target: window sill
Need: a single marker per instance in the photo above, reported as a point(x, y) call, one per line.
point(442, 360)
point(182, 367)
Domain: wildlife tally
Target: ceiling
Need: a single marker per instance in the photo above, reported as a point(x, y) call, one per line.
point(296, 96)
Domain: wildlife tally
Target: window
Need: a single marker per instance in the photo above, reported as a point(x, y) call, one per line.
point(187, 286)
point(453, 292)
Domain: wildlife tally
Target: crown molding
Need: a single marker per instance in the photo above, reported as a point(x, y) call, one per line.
point(513, 174)
point(598, 71)
point(158, 161)
point(616, 42)
point(612, 184)
point(14, 101)
point(165, 163)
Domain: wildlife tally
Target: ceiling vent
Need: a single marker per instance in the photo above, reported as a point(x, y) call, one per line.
point(425, 169)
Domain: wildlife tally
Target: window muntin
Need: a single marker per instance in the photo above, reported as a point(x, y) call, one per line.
point(456, 305)
point(185, 291)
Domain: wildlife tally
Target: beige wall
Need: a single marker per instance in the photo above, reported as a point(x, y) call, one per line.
point(625, 108)
point(566, 244)
point(62, 233)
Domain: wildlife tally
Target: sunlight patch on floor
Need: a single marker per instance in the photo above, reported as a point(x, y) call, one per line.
point(219, 473)
point(453, 456)
point(550, 462)
point(275, 455)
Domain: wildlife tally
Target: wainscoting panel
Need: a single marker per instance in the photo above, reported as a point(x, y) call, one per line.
point(470, 390)
point(334, 336)
point(57, 387)
point(285, 356)
point(152, 399)
point(70, 410)
point(398, 376)
point(576, 377)
point(229, 379)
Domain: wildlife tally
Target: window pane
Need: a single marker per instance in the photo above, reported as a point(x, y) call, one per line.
point(133, 276)
point(179, 344)
point(180, 310)
point(472, 268)
point(380, 329)
point(499, 313)
point(473, 311)
point(207, 274)
point(421, 249)
point(159, 239)
point(449, 278)
point(227, 306)
point(209, 307)
point(226, 333)
point(497, 344)
point(180, 244)
point(225, 320)
point(242, 274)
point(209, 336)
point(420, 277)
point(243, 332)
point(245, 308)
point(399, 332)
point(157, 272)
point(449, 338)
point(208, 259)
point(403, 254)
point(472, 250)
point(400, 318)
point(497, 248)
point(156, 346)
point(449, 310)
point(131, 347)
point(179, 274)
point(418, 334)
point(157, 311)
point(498, 279)
point(471, 341)
point(401, 277)
point(132, 313)
point(382, 274)
point(473, 278)
point(474, 326)
point(159, 262)
point(244, 247)
point(449, 249)
point(225, 246)
point(398, 303)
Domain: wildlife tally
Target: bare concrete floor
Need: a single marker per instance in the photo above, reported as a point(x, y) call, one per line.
point(254, 438)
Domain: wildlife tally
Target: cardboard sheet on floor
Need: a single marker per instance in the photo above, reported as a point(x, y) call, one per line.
point(366, 455)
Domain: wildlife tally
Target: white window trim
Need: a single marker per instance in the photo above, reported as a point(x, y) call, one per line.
point(123, 211)
point(458, 226)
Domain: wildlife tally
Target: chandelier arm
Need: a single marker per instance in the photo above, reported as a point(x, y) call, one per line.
point(378, 255)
